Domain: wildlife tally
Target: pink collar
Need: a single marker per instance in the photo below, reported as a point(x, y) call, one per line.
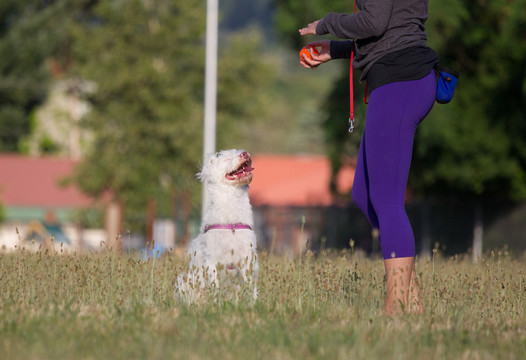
point(232, 227)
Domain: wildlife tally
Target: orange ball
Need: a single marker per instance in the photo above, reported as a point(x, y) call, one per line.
point(307, 51)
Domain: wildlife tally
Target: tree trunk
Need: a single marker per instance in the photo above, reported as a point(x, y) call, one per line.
point(478, 232)
point(113, 224)
point(151, 213)
point(425, 250)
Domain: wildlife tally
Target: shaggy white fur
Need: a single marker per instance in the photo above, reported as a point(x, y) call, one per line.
point(223, 253)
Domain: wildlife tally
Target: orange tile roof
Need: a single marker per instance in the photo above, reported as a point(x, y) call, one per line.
point(34, 182)
point(287, 180)
point(279, 180)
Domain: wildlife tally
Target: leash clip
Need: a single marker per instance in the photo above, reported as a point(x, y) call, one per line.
point(351, 125)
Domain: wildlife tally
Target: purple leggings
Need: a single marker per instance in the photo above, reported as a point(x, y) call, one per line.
point(395, 110)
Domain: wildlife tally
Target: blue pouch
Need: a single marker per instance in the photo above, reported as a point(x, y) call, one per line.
point(446, 83)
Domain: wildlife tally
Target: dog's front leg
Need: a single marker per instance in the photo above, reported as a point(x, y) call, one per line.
point(249, 274)
point(212, 278)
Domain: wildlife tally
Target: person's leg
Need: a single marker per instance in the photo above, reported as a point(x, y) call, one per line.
point(360, 187)
point(402, 287)
point(395, 111)
point(398, 274)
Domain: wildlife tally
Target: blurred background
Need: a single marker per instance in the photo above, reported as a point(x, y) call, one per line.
point(101, 126)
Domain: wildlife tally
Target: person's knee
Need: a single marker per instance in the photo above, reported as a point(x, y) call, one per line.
point(359, 198)
point(381, 201)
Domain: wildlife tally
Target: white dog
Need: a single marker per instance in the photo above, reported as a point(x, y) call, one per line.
point(225, 248)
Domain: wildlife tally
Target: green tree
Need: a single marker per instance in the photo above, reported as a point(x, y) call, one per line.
point(475, 146)
point(243, 94)
point(147, 59)
point(34, 44)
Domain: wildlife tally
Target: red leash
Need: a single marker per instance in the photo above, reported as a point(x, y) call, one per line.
point(351, 90)
point(351, 96)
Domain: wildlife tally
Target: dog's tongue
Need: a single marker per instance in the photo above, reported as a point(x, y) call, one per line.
point(244, 170)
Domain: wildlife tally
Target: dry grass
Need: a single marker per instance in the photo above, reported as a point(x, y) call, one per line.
point(99, 306)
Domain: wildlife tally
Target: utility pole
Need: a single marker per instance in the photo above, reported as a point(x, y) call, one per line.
point(209, 132)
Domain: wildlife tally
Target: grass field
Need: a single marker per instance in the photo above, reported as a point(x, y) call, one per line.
point(111, 306)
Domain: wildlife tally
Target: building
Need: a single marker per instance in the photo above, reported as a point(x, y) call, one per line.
point(287, 194)
point(37, 205)
point(297, 180)
point(293, 203)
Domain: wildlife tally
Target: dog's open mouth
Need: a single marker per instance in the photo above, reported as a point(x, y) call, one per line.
point(242, 171)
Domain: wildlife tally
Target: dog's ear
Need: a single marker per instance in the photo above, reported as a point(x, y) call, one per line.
point(209, 161)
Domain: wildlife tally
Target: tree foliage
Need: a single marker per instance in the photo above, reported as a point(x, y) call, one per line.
point(147, 59)
point(476, 145)
point(30, 39)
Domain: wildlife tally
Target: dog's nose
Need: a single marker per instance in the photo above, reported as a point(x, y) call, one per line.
point(245, 155)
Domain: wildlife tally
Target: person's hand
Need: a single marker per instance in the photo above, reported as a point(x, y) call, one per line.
point(310, 29)
point(324, 47)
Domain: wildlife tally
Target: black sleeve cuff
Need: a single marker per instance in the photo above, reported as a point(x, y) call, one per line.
point(341, 49)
